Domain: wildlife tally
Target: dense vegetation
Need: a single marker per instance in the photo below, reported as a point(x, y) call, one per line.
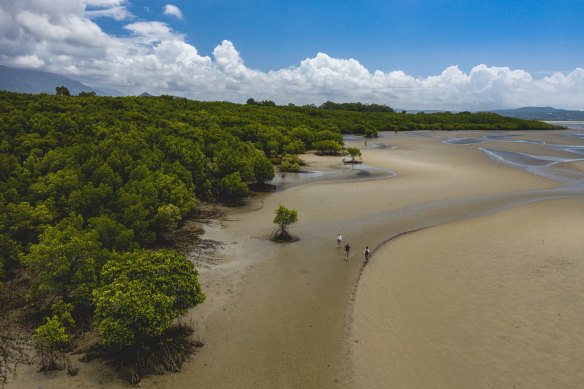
point(87, 182)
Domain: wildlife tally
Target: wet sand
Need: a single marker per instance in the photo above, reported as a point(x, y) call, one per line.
point(281, 315)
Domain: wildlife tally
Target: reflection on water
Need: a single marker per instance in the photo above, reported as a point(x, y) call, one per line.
point(489, 138)
point(576, 135)
point(355, 137)
point(548, 166)
point(464, 141)
point(381, 146)
point(526, 160)
point(496, 136)
point(287, 180)
point(568, 148)
point(544, 166)
point(572, 124)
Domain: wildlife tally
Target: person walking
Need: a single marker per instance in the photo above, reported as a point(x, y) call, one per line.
point(339, 240)
point(347, 250)
point(367, 253)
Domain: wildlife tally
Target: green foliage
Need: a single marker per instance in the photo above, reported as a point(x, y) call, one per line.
point(290, 163)
point(232, 188)
point(303, 134)
point(127, 310)
point(64, 264)
point(369, 132)
point(284, 217)
point(21, 223)
point(63, 311)
point(113, 235)
point(51, 336)
point(265, 103)
point(143, 293)
point(353, 152)
point(62, 91)
point(263, 168)
point(328, 135)
point(295, 147)
point(358, 107)
point(327, 147)
point(167, 219)
point(50, 341)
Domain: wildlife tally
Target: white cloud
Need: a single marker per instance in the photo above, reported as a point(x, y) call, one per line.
point(63, 36)
point(28, 61)
point(173, 10)
point(117, 13)
point(149, 32)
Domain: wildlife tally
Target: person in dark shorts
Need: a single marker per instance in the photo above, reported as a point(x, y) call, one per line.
point(339, 240)
point(347, 250)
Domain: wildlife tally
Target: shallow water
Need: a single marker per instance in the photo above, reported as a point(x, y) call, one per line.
point(433, 213)
point(285, 181)
point(572, 124)
point(542, 165)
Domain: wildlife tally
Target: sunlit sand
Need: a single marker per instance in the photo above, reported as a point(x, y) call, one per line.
point(487, 298)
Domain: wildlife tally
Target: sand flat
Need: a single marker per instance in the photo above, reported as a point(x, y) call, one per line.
point(488, 302)
point(286, 325)
point(279, 315)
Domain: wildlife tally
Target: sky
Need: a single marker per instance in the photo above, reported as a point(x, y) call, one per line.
point(410, 54)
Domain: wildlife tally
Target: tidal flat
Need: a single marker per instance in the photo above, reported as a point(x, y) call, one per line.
point(464, 243)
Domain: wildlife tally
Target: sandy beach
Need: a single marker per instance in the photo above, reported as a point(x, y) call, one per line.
point(490, 302)
point(298, 315)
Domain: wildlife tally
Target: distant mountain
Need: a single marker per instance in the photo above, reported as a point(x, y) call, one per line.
point(36, 81)
point(413, 111)
point(541, 113)
point(145, 94)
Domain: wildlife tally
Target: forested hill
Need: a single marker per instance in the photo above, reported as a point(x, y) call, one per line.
point(541, 113)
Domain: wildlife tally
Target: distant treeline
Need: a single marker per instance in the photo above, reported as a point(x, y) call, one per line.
point(85, 179)
point(356, 107)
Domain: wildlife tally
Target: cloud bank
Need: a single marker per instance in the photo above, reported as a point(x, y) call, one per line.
point(64, 37)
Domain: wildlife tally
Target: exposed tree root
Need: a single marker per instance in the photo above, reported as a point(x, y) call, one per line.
point(164, 354)
point(283, 236)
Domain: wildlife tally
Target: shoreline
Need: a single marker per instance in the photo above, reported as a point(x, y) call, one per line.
point(277, 315)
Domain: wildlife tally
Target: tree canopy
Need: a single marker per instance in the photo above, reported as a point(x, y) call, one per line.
point(142, 293)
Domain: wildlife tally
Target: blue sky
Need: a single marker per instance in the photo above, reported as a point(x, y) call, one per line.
point(414, 54)
point(420, 37)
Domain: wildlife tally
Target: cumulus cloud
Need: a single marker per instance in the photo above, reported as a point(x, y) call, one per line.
point(173, 10)
point(64, 37)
